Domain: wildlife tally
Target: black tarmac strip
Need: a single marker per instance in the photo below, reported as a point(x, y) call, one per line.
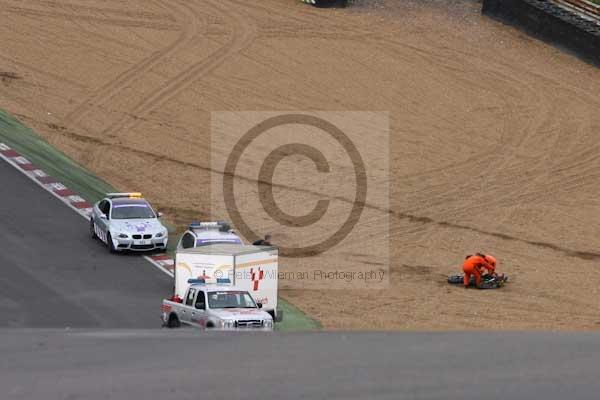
point(55, 275)
point(62, 293)
point(188, 364)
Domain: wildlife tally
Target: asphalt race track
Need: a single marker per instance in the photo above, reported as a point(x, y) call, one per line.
point(55, 275)
point(188, 364)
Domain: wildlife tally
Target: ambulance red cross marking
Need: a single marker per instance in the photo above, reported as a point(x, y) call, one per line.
point(257, 277)
point(204, 276)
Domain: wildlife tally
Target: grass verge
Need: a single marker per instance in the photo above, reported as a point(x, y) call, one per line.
point(55, 163)
point(52, 161)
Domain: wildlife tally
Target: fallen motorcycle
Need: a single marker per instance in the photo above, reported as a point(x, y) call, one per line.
point(488, 281)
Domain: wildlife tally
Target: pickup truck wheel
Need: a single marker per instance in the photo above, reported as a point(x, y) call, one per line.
point(109, 243)
point(173, 322)
point(92, 229)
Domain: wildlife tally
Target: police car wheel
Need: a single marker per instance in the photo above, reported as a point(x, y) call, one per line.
point(109, 243)
point(92, 229)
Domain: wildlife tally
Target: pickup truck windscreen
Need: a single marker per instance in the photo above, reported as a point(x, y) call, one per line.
point(233, 299)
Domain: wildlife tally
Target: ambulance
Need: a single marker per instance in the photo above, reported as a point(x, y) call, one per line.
point(247, 267)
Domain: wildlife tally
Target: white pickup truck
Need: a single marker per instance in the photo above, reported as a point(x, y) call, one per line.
point(215, 306)
point(250, 268)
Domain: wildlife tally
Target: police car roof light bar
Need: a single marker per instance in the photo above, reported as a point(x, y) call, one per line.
point(132, 195)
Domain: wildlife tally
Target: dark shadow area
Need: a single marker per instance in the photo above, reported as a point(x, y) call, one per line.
point(550, 23)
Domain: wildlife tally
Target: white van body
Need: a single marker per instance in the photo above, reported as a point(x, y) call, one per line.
point(247, 267)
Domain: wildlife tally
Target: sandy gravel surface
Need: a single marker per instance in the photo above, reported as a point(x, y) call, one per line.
point(493, 137)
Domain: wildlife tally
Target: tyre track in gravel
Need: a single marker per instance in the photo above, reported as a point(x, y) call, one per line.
point(104, 10)
point(393, 213)
point(49, 34)
point(506, 152)
point(242, 35)
point(505, 146)
point(127, 23)
point(190, 28)
point(179, 83)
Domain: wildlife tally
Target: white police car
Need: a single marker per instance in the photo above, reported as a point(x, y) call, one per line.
point(125, 221)
point(204, 233)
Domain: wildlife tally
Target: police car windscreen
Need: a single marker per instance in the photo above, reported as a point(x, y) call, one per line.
point(132, 211)
point(230, 300)
point(204, 242)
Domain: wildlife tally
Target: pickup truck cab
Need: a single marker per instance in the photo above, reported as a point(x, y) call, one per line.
point(216, 306)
